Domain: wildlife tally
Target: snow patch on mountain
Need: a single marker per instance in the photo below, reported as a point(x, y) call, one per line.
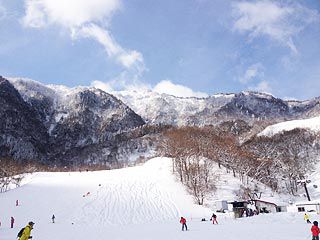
point(312, 124)
point(258, 94)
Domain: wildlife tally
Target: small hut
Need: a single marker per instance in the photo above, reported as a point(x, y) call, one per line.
point(221, 205)
point(310, 206)
point(239, 208)
point(264, 206)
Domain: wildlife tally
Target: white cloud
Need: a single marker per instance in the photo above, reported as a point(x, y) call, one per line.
point(120, 85)
point(262, 86)
point(130, 59)
point(3, 12)
point(35, 14)
point(101, 35)
point(86, 19)
point(104, 86)
point(166, 86)
point(272, 19)
point(253, 78)
point(253, 71)
point(70, 13)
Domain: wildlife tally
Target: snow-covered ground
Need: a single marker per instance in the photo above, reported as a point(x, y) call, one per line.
point(314, 185)
point(312, 124)
point(142, 202)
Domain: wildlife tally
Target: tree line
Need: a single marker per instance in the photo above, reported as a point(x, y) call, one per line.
point(279, 161)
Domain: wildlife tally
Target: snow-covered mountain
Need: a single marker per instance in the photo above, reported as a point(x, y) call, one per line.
point(88, 125)
point(56, 104)
point(167, 109)
point(156, 108)
point(22, 135)
point(248, 106)
point(77, 125)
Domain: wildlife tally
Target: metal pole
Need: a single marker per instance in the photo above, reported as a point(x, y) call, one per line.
point(305, 188)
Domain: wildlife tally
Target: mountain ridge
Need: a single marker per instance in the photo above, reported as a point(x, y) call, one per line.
point(88, 125)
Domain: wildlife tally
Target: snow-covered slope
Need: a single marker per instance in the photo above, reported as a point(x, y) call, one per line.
point(117, 197)
point(312, 124)
point(314, 184)
point(143, 202)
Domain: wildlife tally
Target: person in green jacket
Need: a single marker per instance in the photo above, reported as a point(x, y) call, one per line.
point(27, 231)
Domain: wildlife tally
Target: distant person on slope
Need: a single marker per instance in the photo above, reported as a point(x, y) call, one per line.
point(27, 231)
point(214, 218)
point(11, 222)
point(306, 218)
point(53, 218)
point(315, 231)
point(183, 221)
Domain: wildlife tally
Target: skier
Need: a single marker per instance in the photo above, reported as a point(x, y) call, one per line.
point(214, 218)
point(183, 221)
point(12, 222)
point(17, 203)
point(315, 231)
point(53, 217)
point(306, 218)
point(244, 214)
point(26, 232)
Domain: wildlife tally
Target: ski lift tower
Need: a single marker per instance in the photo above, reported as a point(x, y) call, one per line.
point(304, 182)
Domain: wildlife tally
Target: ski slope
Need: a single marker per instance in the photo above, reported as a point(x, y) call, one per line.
point(143, 202)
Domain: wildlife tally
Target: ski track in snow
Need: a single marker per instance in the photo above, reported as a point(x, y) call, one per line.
point(114, 203)
point(143, 202)
point(125, 196)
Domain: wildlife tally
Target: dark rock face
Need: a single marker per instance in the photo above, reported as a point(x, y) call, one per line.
point(74, 129)
point(248, 106)
point(22, 134)
point(86, 133)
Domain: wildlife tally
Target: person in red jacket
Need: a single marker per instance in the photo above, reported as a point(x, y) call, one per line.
point(214, 218)
point(183, 221)
point(315, 231)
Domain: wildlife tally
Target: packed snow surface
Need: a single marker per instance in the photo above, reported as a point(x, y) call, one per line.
point(143, 202)
point(312, 124)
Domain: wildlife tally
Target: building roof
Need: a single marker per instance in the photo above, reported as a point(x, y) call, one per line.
point(258, 200)
point(314, 202)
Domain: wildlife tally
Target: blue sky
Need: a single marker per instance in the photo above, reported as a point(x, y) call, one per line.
point(183, 47)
